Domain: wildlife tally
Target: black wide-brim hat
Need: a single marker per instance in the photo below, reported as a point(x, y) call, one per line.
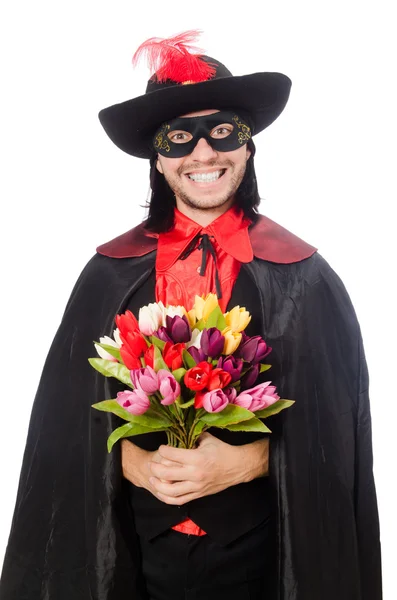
point(260, 98)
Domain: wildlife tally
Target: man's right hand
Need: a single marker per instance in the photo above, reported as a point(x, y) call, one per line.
point(136, 465)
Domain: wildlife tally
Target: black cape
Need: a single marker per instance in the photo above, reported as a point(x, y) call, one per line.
point(72, 535)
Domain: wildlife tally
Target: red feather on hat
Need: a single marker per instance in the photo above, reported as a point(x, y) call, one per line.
point(172, 58)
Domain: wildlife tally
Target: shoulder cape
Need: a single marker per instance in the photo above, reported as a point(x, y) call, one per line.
point(269, 242)
point(72, 535)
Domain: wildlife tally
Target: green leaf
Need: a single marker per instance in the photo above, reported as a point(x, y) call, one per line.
point(179, 374)
point(229, 415)
point(250, 425)
point(273, 409)
point(188, 359)
point(264, 368)
point(200, 325)
point(150, 418)
point(216, 319)
point(111, 350)
point(158, 362)
point(110, 368)
point(128, 430)
point(157, 342)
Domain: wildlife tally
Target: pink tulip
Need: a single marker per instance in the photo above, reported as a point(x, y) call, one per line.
point(169, 387)
point(135, 402)
point(145, 379)
point(231, 394)
point(215, 401)
point(259, 397)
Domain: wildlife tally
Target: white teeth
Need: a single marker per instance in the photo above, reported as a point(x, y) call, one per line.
point(206, 177)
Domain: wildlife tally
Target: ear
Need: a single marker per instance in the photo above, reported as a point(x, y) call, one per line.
point(158, 166)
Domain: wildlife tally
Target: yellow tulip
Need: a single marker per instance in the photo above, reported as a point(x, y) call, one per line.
point(191, 317)
point(210, 303)
point(238, 318)
point(203, 307)
point(232, 340)
point(198, 307)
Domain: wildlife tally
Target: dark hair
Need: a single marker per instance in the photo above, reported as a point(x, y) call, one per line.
point(162, 200)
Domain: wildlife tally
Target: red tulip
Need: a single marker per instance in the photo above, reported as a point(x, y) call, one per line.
point(218, 379)
point(197, 377)
point(126, 322)
point(135, 342)
point(130, 361)
point(198, 400)
point(172, 355)
point(148, 356)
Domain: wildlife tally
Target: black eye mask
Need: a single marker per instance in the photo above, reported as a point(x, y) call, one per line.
point(201, 127)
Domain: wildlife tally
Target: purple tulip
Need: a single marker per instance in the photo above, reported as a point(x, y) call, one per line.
point(231, 365)
point(252, 349)
point(178, 329)
point(145, 379)
point(169, 387)
point(197, 354)
point(162, 334)
point(135, 402)
point(259, 397)
point(215, 401)
point(250, 377)
point(212, 342)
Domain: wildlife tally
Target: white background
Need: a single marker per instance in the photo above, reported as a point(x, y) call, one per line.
point(326, 170)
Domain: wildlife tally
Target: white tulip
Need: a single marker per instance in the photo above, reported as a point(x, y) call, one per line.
point(195, 339)
point(173, 311)
point(109, 342)
point(102, 353)
point(150, 318)
point(116, 335)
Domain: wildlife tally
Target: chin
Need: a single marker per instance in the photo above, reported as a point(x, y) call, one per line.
point(206, 203)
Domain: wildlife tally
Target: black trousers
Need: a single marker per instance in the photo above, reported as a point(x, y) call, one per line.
point(177, 566)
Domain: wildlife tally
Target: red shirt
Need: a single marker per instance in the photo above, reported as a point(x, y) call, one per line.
point(179, 281)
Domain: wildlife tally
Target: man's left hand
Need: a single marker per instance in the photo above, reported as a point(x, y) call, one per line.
point(180, 475)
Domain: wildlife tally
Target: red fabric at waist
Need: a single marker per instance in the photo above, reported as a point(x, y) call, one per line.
point(187, 526)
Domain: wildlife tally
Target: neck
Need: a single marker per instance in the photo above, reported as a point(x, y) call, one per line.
point(203, 216)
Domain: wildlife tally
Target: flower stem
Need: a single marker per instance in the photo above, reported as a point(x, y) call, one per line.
point(173, 438)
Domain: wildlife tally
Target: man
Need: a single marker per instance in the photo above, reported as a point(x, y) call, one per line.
point(292, 516)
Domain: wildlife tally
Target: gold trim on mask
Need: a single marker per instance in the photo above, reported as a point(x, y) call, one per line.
point(245, 134)
point(161, 142)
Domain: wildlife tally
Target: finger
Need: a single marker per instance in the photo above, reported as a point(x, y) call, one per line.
point(177, 501)
point(206, 437)
point(179, 473)
point(157, 458)
point(174, 490)
point(179, 455)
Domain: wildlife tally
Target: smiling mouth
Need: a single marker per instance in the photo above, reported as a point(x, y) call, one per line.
point(206, 177)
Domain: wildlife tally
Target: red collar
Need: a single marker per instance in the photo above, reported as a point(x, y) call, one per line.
point(269, 242)
point(230, 230)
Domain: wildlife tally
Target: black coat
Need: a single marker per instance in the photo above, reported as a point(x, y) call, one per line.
point(72, 536)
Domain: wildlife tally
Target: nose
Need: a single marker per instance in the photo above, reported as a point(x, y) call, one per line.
point(203, 152)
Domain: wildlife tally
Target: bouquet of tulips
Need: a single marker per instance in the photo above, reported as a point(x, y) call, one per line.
point(186, 371)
